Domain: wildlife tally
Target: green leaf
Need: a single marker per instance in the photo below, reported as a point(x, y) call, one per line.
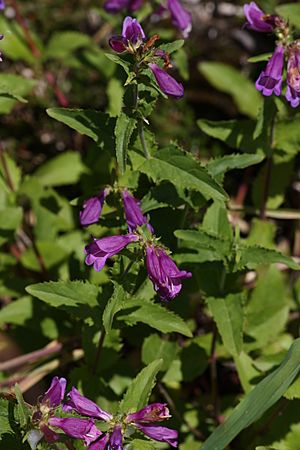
point(17, 311)
point(54, 173)
point(115, 92)
point(115, 304)
point(172, 47)
point(183, 171)
point(22, 408)
point(154, 347)
point(140, 444)
point(216, 221)
point(258, 58)
point(13, 88)
point(294, 390)
point(123, 131)
point(231, 81)
point(64, 43)
point(201, 240)
point(138, 393)
point(291, 12)
point(5, 426)
point(258, 401)
point(252, 257)
point(14, 44)
point(65, 294)
point(118, 60)
point(229, 317)
point(154, 315)
point(98, 126)
point(287, 135)
point(219, 166)
point(267, 314)
point(10, 218)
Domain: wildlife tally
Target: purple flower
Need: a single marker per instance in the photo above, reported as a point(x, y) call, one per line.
point(161, 434)
point(91, 209)
point(293, 75)
point(133, 212)
point(270, 79)
point(182, 19)
point(98, 251)
point(100, 444)
point(163, 272)
point(257, 20)
point(56, 392)
point(2, 5)
point(155, 412)
point(116, 439)
point(131, 39)
point(167, 84)
point(84, 429)
point(114, 6)
point(84, 406)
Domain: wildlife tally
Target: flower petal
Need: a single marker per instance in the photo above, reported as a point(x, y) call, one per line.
point(85, 406)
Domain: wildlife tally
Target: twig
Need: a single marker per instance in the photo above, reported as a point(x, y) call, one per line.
point(51, 348)
point(99, 348)
point(8, 178)
point(170, 401)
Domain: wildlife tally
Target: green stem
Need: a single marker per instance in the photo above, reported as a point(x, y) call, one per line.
point(267, 178)
point(140, 122)
point(99, 348)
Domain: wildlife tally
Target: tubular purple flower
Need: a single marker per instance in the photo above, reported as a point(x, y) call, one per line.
point(161, 434)
point(270, 79)
point(56, 392)
point(100, 444)
point(49, 435)
point(101, 249)
point(257, 20)
point(166, 83)
point(163, 272)
point(84, 406)
point(155, 412)
point(131, 38)
point(92, 208)
point(133, 212)
point(116, 438)
point(182, 19)
point(84, 429)
point(293, 75)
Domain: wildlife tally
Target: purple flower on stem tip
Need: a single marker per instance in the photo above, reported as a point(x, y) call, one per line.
point(270, 79)
point(114, 6)
point(91, 209)
point(182, 19)
point(116, 438)
point(74, 427)
point(155, 412)
point(133, 212)
point(163, 272)
point(56, 392)
point(293, 75)
point(161, 434)
point(84, 406)
point(98, 251)
point(131, 39)
point(257, 20)
point(167, 84)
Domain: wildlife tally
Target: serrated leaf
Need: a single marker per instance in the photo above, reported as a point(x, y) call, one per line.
point(254, 256)
point(118, 60)
point(229, 317)
point(123, 131)
point(154, 315)
point(183, 171)
point(22, 408)
point(258, 401)
point(154, 347)
point(219, 166)
point(231, 81)
point(95, 124)
point(5, 426)
point(201, 240)
point(63, 294)
point(54, 173)
point(115, 304)
point(138, 393)
point(172, 47)
point(216, 221)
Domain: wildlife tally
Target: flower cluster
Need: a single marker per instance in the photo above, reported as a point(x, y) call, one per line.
point(181, 18)
point(162, 271)
point(46, 425)
point(270, 80)
point(133, 40)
